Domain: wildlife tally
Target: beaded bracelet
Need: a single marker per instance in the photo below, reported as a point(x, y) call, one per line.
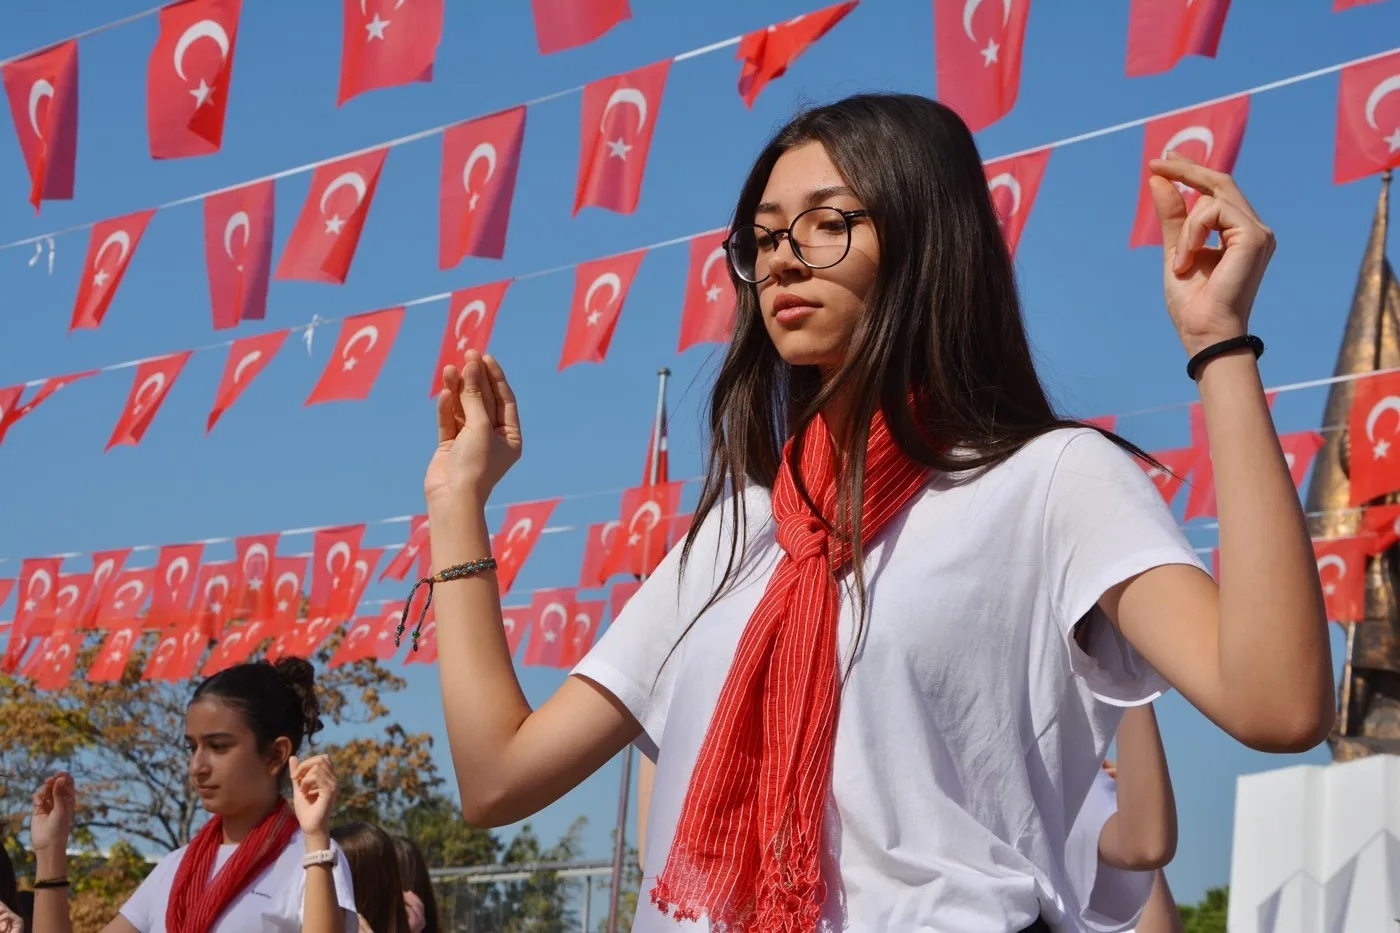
point(455, 572)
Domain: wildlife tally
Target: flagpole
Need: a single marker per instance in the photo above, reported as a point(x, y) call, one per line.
point(624, 792)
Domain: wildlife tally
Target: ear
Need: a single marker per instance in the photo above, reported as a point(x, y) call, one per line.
point(278, 755)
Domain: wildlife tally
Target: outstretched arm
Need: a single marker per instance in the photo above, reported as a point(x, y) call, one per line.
point(1141, 833)
point(49, 829)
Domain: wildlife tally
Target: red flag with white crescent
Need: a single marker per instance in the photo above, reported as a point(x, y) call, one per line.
point(43, 92)
point(106, 565)
point(108, 254)
point(1374, 425)
point(480, 160)
point(11, 413)
point(1161, 32)
point(584, 620)
point(1382, 523)
point(600, 289)
point(288, 576)
point(619, 116)
point(235, 646)
point(647, 512)
point(246, 358)
point(252, 595)
point(766, 53)
point(416, 544)
point(515, 620)
point(1341, 567)
point(38, 593)
point(708, 313)
point(333, 553)
point(6, 585)
point(385, 43)
point(1201, 502)
point(9, 401)
point(516, 537)
point(361, 571)
point(177, 571)
point(564, 24)
point(1339, 5)
point(359, 354)
point(188, 76)
point(60, 657)
point(129, 594)
point(1368, 119)
point(550, 614)
point(599, 544)
point(214, 593)
point(164, 656)
point(74, 590)
point(358, 642)
point(384, 648)
point(193, 642)
point(15, 647)
point(620, 594)
point(471, 314)
point(1211, 135)
point(1013, 184)
point(427, 652)
point(1299, 449)
point(149, 387)
point(1178, 463)
point(327, 230)
point(238, 252)
point(680, 527)
point(115, 651)
point(977, 53)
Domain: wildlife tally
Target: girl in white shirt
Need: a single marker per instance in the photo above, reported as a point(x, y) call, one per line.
point(258, 864)
point(896, 526)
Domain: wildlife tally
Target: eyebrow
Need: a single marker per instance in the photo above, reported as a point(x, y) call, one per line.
point(814, 198)
point(212, 735)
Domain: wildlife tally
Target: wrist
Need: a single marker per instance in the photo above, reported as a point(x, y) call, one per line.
point(317, 840)
point(1196, 342)
point(50, 862)
point(456, 500)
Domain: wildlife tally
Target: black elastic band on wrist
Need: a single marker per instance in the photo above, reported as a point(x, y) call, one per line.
point(1249, 341)
point(455, 572)
point(51, 883)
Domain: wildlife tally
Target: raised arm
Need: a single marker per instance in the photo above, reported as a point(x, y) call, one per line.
point(1141, 833)
point(1252, 654)
point(49, 829)
point(510, 760)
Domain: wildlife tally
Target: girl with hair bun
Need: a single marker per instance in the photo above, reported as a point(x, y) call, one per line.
point(259, 863)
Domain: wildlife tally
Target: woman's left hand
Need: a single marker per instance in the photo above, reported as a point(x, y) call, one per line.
point(314, 791)
point(1210, 289)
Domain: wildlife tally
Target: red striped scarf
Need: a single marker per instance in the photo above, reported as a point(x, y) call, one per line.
point(196, 900)
point(748, 842)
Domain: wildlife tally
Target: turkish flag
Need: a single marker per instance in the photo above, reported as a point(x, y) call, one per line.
point(1368, 119)
point(358, 642)
point(1178, 463)
point(1201, 502)
point(680, 527)
point(360, 350)
point(647, 512)
point(977, 51)
point(386, 43)
point(165, 655)
point(9, 401)
point(1339, 5)
point(601, 541)
point(564, 24)
point(313, 634)
point(1160, 32)
point(515, 620)
point(246, 358)
point(185, 662)
point(327, 230)
point(128, 596)
point(1013, 184)
point(1211, 135)
point(214, 593)
point(288, 574)
point(38, 593)
point(74, 590)
point(480, 159)
point(585, 619)
point(659, 445)
point(427, 650)
point(111, 658)
point(1382, 523)
point(234, 647)
point(1374, 426)
point(253, 591)
point(176, 570)
point(106, 565)
point(10, 413)
point(471, 313)
point(766, 53)
point(519, 531)
point(149, 387)
point(416, 544)
point(708, 313)
point(43, 92)
point(1341, 566)
point(238, 252)
point(15, 647)
point(188, 76)
point(550, 613)
point(620, 594)
point(619, 116)
point(600, 289)
point(60, 657)
point(366, 559)
point(1299, 449)
point(108, 254)
point(333, 553)
point(384, 647)
point(6, 585)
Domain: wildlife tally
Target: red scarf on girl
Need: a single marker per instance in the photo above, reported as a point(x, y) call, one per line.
point(196, 900)
point(749, 839)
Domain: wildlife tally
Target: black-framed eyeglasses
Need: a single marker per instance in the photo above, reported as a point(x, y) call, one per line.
point(820, 238)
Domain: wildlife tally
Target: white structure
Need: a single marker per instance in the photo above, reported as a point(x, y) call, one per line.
point(1317, 849)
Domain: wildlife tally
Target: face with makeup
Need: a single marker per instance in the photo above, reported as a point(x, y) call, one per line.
point(229, 772)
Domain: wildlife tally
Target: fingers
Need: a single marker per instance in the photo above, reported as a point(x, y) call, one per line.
point(1177, 167)
point(447, 427)
point(508, 412)
point(488, 392)
point(1236, 227)
point(474, 411)
point(1171, 211)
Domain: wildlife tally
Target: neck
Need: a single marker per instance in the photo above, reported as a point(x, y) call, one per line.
point(237, 826)
point(836, 413)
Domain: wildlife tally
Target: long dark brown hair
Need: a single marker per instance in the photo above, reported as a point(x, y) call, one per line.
point(940, 348)
point(374, 873)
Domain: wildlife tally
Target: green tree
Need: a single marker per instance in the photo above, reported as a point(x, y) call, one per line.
point(540, 904)
point(627, 895)
point(1209, 915)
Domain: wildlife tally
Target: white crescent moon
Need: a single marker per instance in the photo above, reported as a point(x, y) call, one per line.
point(361, 571)
point(970, 9)
point(519, 530)
point(369, 331)
point(239, 219)
point(248, 360)
point(509, 622)
point(587, 625)
point(475, 307)
point(161, 654)
point(71, 591)
point(204, 29)
point(123, 241)
point(1389, 403)
point(710, 260)
point(339, 548)
point(256, 548)
point(191, 639)
point(181, 564)
point(63, 653)
point(1011, 183)
point(137, 588)
point(287, 577)
point(1373, 100)
point(42, 576)
point(120, 640)
point(353, 179)
point(229, 640)
point(37, 92)
point(609, 530)
point(1200, 134)
point(1332, 560)
point(154, 379)
point(103, 571)
point(630, 95)
point(221, 581)
point(647, 508)
point(359, 631)
point(482, 151)
point(552, 609)
point(609, 279)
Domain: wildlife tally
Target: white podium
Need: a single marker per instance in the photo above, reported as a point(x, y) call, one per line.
point(1317, 849)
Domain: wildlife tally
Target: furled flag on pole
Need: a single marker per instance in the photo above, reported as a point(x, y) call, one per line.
point(619, 116)
point(766, 53)
point(1368, 119)
point(707, 316)
point(188, 75)
point(43, 93)
point(246, 358)
point(977, 53)
point(327, 231)
point(1013, 184)
point(359, 354)
point(471, 313)
point(564, 24)
point(1161, 32)
point(149, 387)
point(385, 43)
point(108, 254)
point(480, 159)
point(238, 252)
point(600, 288)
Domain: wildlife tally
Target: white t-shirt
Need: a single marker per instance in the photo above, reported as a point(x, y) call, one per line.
point(972, 724)
point(1110, 899)
point(272, 902)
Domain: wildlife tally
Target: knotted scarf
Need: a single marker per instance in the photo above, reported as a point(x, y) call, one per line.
point(197, 900)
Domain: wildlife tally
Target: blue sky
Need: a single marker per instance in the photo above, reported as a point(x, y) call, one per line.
point(1094, 307)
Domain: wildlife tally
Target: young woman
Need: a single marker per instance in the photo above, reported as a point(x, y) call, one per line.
point(374, 868)
point(258, 864)
point(418, 887)
point(895, 525)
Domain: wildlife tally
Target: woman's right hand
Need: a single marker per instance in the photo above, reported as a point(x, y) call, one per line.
point(478, 433)
point(52, 820)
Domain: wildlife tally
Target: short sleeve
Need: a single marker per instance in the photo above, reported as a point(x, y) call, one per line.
point(1109, 899)
point(1105, 523)
point(147, 902)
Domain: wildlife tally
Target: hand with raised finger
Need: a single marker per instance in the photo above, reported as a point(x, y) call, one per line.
point(51, 823)
point(1210, 290)
point(314, 792)
point(479, 435)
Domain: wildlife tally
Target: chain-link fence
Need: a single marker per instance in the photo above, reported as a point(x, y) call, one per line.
point(540, 897)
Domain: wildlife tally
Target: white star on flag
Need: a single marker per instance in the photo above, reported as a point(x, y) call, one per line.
point(375, 28)
point(990, 52)
point(471, 204)
point(593, 318)
point(1381, 449)
point(334, 224)
point(618, 149)
point(348, 365)
point(255, 583)
point(713, 293)
point(281, 605)
point(100, 279)
point(201, 94)
point(1393, 140)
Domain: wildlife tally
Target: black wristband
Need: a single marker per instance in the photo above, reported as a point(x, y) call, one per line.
point(51, 883)
point(1253, 343)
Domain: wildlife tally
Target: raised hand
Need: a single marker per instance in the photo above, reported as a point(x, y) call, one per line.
point(52, 820)
point(10, 922)
point(479, 435)
point(314, 791)
point(1210, 289)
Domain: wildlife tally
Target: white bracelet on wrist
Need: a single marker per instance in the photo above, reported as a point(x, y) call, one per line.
point(322, 857)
